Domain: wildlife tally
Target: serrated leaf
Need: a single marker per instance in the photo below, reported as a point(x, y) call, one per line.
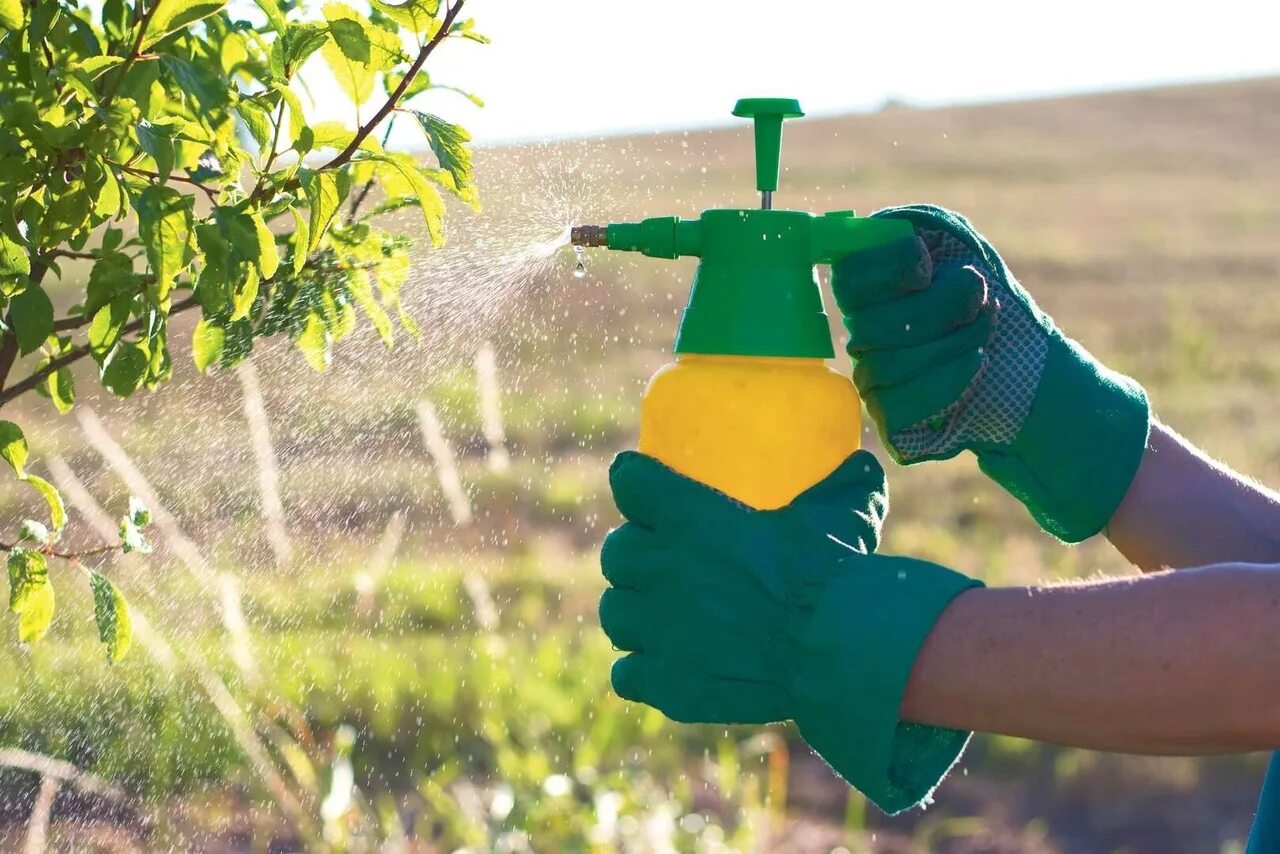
point(62, 390)
point(138, 512)
point(125, 369)
point(33, 531)
point(173, 15)
point(275, 17)
point(209, 90)
point(92, 66)
point(358, 50)
point(108, 323)
point(157, 141)
point(466, 30)
point(415, 15)
point(30, 593)
point(206, 344)
point(294, 44)
point(314, 342)
point(297, 118)
point(57, 510)
point(256, 120)
point(421, 82)
point(164, 223)
point(449, 142)
point(111, 613)
point(301, 240)
point(132, 539)
point(13, 447)
point(361, 288)
point(243, 296)
point(401, 177)
point(11, 17)
point(110, 200)
point(14, 260)
point(331, 135)
point(268, 255)
point(325, 191)
point(31, 313)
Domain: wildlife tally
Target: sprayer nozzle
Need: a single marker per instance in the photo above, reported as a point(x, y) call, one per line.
point(589, 235)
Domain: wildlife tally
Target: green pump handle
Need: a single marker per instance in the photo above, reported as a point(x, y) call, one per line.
point(768, 114)
point(754, 293)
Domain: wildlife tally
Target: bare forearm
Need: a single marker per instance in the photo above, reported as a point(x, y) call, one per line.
point(1185, 509)
point(1172, 663)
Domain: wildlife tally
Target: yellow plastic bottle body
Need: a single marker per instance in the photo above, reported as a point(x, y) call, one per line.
point(760, 429)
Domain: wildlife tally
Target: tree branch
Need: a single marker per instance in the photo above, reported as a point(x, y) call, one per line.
point(75, 354)
point(368, 185)
point(133, 56)
point(394, 98)
point(147, 173)
point(74, 557)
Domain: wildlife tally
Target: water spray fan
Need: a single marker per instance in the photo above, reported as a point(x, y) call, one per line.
point(749, 406)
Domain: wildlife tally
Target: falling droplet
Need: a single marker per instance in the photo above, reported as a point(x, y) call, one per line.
point(580, 268)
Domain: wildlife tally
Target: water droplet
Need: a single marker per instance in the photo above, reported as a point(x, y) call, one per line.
point(580, 268)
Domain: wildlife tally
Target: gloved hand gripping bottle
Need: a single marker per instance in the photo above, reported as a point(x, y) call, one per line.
point(749, 406)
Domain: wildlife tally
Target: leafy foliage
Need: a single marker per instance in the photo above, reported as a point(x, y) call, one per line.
point(166, 143)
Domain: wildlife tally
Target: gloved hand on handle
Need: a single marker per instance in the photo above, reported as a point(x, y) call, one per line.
point(736, 615)
point(952, 354)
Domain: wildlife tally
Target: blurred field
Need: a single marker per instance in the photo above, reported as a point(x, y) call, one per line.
point(1146, 223)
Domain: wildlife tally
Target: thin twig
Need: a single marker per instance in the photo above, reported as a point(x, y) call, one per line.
point(76, 353)
point(368, 185)
point(134, 55)
point(394, 98)
point(147, 173)
point(74, 557)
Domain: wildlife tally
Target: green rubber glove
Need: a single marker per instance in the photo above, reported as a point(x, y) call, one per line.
point(952, 354)
point(736, 615)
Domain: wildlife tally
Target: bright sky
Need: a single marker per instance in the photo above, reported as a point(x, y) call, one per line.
point(587, 67)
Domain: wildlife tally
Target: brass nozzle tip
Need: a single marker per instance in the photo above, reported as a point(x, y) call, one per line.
point(589, 235)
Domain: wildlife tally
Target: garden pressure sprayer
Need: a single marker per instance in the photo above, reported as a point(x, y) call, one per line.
point(749, 406)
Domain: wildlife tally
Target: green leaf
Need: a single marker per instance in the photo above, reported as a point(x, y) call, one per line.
point(164, 223)
point(11, 17)
point(415, 15)
point(138, 512)
point(33, 531)
point(62, 389)
point(449, 142)
point(13, 447)
point(92, 66)
point(362, 289)
point(108, 323)
point(14, 260)
point(268, 255)
point(257, 120)
point(294, 44)
point(325, 191)
point(209, 90)
point(242, 297)
point(466, 30)
point(57, 510)
point(275, 17)
point(332, 135)
point(173, 15)
point(402, 177)
point(31, 313)
point(314, 342)
point(30, 593)
point(421, 82)
point(112, 616)
point(157, 141)
point(206, 344)
point(132, 539)
point(358, 50)
point(126, 369)
point(301, 240)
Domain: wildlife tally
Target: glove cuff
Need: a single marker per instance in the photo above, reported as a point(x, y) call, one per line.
point(857, 649)
point(1080, 446)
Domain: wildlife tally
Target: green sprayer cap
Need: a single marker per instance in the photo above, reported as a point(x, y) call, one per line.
point(755, 293)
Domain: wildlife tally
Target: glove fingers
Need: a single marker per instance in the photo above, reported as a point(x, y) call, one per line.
point(628, 677)
point(906, 405)
point(633, 557)
point(657, 497)
point(954, 299)
point(880, 274)
point(622, 618)
point(888, 368)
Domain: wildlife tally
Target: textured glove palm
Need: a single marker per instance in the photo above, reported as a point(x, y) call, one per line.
point(734, 615)
point(952, 354)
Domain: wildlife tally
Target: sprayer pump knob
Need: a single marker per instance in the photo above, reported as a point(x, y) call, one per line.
point(768, 114)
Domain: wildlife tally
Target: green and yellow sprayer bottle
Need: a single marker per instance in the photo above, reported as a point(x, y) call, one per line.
point(749, 406)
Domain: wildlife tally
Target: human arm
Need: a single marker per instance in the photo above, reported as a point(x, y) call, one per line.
point(1169, 663)
point(1186, 509)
